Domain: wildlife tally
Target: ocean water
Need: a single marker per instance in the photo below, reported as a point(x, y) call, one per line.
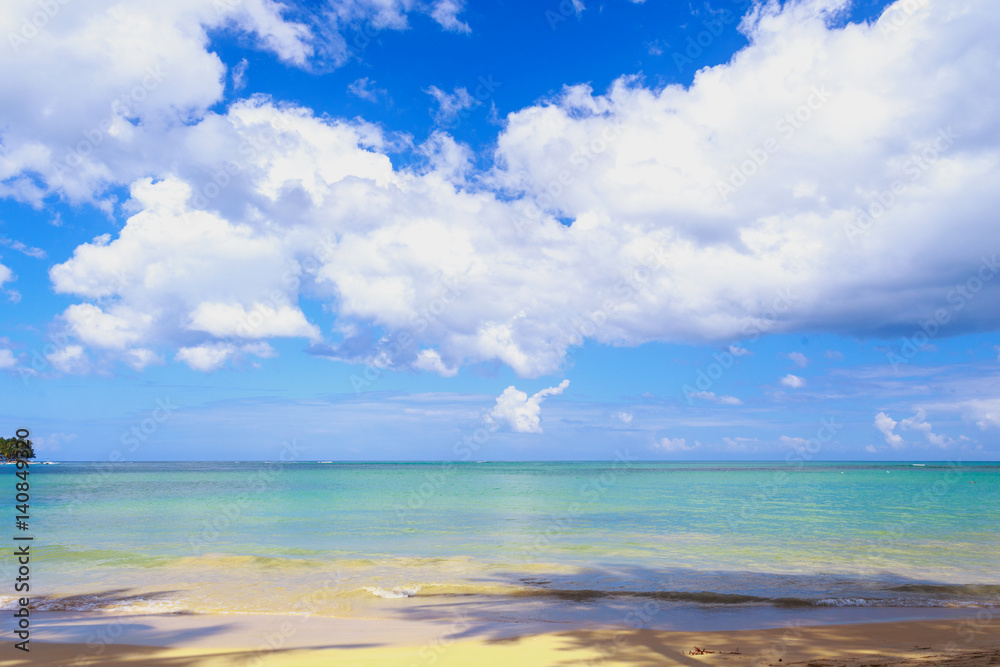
point(356, 539)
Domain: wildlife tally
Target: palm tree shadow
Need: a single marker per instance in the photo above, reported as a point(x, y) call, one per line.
point(634, 647)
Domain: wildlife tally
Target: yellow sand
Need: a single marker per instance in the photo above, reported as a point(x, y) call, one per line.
point(955, 643)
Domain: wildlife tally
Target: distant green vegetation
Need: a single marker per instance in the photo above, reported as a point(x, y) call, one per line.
point(10, 446)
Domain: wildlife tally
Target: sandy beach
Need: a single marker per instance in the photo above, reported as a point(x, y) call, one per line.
point(423, 333)
point(228, 640)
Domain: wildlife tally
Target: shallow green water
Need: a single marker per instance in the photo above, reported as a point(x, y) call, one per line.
point(260, 536)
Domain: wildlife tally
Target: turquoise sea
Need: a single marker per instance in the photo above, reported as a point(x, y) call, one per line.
point(544, 539)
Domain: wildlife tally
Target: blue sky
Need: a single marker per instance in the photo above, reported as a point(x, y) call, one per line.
point(380, 228)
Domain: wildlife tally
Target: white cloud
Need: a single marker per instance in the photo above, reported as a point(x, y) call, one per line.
point(7, 359)
point(366, 90)
point(793, 381)
point(446, 12)
point(239, 74)
point(655, 158)
point(451, 104)
point(173, 271)
point(918, 422)
point(319, 212)
point(674, 445)
point(430, 360)
point(624, 417)
point(70, 359)
point(30, 251)
point(393, 14)
point(260, 320)
point(871, 449)
point(212, 356)
point(738, 351)
point(118, 76)
point(515, 410)
point(984, 411)
point(97, 328)
point(6, 275)
point(138, 358)
point(121, 78)
point(886, 425)
point(206, 358)
point(711, 396)
point(798, 359)
point(834, 355)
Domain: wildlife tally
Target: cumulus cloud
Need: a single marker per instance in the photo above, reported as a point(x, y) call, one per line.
point(7, 359)
point(430, 360)
point(123, 78)
point(107, 330)
point(793, 381)
point(624, 417)
point(212, 356)
point(139, 67)
point(176, 275)
point(657, 158)
point(520, 413)
point(70, 359)
point(886, 426)
point(918, 422)
point(642, 173)
point(140, 357)
point(260, 320)
point(739, 351)
point(206, 357)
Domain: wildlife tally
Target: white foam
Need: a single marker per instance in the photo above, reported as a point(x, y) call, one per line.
point(844, 602)
point(398, 592)
point(136, 605)
point(899, 602)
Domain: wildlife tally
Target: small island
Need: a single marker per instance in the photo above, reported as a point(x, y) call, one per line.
point(12, 449)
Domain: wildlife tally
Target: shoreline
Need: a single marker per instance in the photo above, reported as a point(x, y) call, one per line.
point(175, 640)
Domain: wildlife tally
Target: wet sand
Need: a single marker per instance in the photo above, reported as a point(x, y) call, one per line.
point(175, 640)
